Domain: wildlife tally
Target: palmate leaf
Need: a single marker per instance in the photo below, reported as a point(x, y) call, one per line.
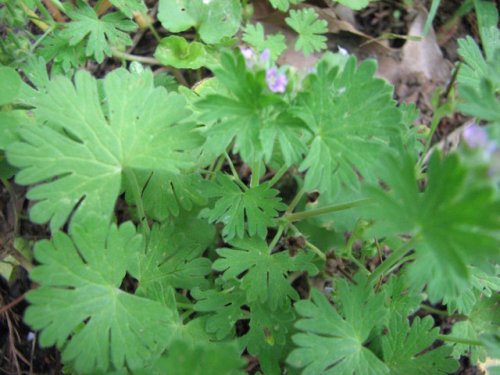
point(257, 207)
point(224, 306)
point(306, 23)
point(255, 36)
point(265, 278)
point(253, 116)
point(402, 347)
point(100, 33)
point(80, 308)
point(80, 149)
point(455, 222)
point(352, 117)
point(331, 343)
point(483, 319)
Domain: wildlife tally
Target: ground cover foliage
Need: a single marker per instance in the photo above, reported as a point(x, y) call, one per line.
point(229, 213)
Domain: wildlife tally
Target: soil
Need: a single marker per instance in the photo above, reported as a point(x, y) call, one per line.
point(19, 349)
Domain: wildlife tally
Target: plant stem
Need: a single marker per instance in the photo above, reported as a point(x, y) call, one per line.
point(389, 262)
point(254, 181)
point(234, 172)
point(136, 193)
point(276, 238)
point(278, 175)
point(186, 306)
point(316, 250)
point(360, 265)
point(295, 201)
point(459, 340)
point(297, 216)
point(129, 57)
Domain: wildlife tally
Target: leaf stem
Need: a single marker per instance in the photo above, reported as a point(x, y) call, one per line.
point(297, 216)
point(254, 181)
point(129, 57)
point(276, 238)
point(316, 250)
point(389, 262)
point(234, 172)
point(360, 265)
point(459, 340)
point(277, 176)
point(136, 193)
point(295, 201)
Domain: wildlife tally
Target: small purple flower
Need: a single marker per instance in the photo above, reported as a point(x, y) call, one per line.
point(276, 81)
point(247, 53)
point(475, 136)
point(265, 56)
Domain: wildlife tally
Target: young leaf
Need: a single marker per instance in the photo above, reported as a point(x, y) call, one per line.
point(402, 347)
point(82, 151)
point(79, 306)
point(254, 35)
point(257, 207)
point(66, 56)
point(283, 5)
point(306, 23)
point(352, 117)
point(176, 51)
point(454, 222)
point(334, 343)
point(253, 116)
point(213, 19)
point(264, 274)
point(100, 33)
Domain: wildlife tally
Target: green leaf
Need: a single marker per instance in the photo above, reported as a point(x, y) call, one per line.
point(483, 319)
point(268, 337)
point(201, 359)
point(355, 4)
point(306, 23)
point(257, 207)
point(352, 117)
point(100, 33)
point(165, 194)
point(255, 36)
point(128, 7)
point(283, 5)
point(65, 55)
point(79, 306)
point(253, 116)
point(454, 222)
point(11, 84)
point(176, 51)
point(213, 19)
point(79, 155)
point(225, 306)
point(9, 123)
point(173, 257)
point(264, 279)
point(331, 343)
point(403, 347)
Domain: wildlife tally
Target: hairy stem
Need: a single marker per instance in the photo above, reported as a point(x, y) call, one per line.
point(234, 172)
point(276, 238)
point(297, 216)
